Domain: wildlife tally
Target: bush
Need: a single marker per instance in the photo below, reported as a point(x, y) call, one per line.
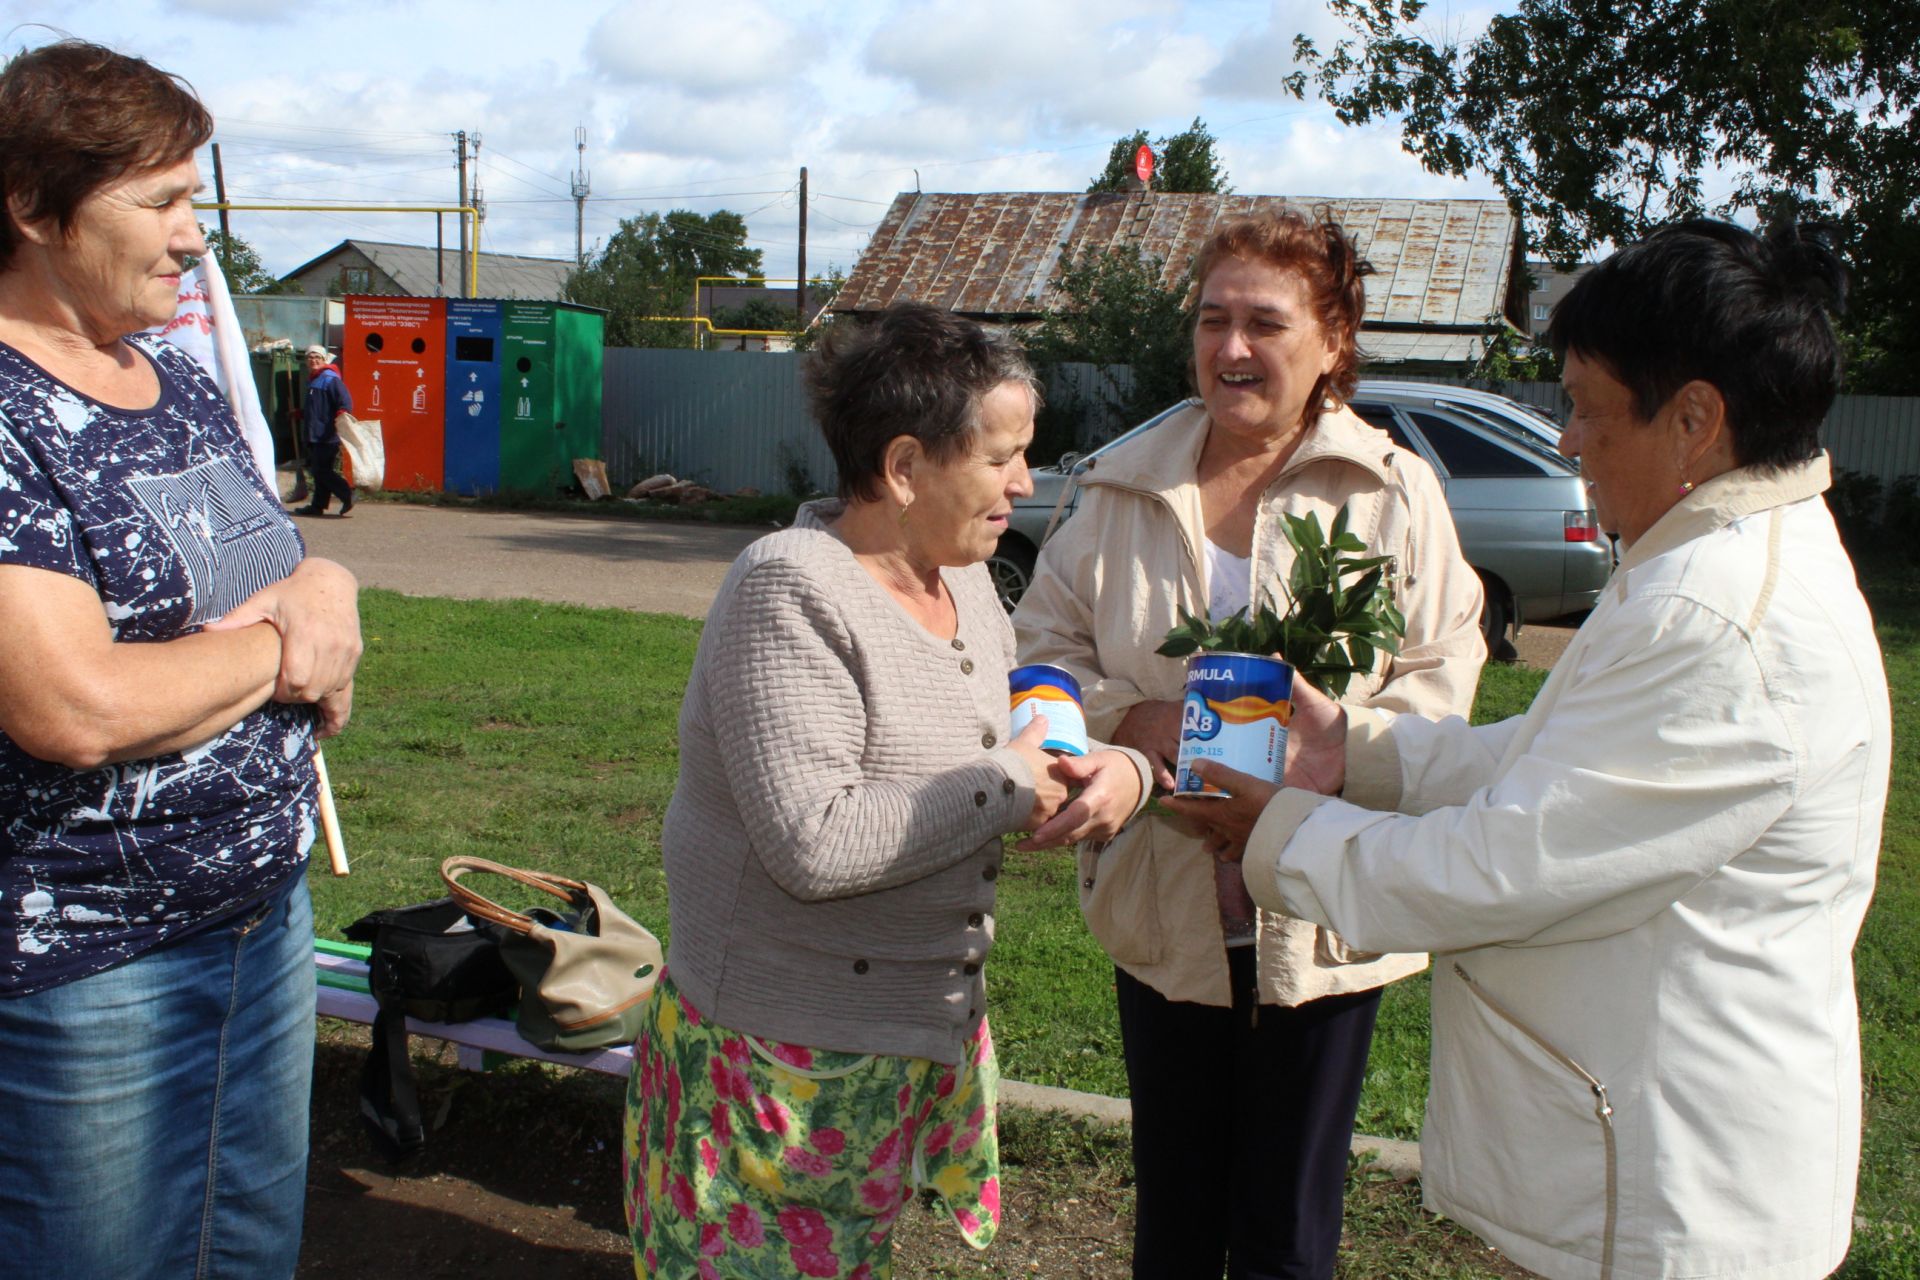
point(1854, 499)
point(1901, 520)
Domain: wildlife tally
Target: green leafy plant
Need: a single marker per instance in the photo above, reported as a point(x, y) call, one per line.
point(1332, 628)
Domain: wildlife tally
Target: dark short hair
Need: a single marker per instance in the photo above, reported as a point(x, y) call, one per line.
point(914, 370)
point(75, 117)
point(1324, 256)
point(1708, 300)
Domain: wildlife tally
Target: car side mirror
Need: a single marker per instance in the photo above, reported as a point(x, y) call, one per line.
point(1067, 460)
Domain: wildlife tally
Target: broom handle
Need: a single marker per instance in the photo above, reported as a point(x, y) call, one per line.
point(329, 820)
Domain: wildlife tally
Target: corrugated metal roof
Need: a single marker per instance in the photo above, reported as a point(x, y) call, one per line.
point(1442, 264)
point(1395, 346)
point(422, 272)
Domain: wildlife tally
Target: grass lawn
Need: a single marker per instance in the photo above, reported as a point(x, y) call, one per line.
point(545, 734)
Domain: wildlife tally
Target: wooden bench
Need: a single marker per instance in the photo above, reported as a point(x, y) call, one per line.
point(340, 974)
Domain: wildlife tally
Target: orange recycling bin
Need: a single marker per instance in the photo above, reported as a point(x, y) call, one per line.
point(394, 359)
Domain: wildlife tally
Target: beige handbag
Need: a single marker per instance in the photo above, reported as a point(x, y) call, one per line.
point(585, 971)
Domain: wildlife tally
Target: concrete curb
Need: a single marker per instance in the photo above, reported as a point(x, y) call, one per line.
point(1390, 1155)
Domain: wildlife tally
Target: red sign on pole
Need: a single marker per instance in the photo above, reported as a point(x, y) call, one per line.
point(1143, 164)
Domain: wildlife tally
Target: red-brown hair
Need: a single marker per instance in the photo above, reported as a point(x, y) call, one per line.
point(75, 117)
point(1325, 259)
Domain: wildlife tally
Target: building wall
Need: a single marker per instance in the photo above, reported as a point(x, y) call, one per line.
point(1551, 285)
point(348, 271)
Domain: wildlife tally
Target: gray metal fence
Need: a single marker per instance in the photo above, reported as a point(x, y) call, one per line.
point(739, 419)
point(729, 420)
point(734, 420)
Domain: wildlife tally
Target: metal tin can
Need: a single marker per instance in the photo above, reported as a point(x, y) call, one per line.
point(1039, 688)
point(1235, 712)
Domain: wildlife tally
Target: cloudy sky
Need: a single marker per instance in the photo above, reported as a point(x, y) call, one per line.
point(709, 104)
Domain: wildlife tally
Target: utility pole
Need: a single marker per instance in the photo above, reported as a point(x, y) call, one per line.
point(461, 139)
point(226, 230)
point(582, 187)
point(800, 294)
point(479, 202)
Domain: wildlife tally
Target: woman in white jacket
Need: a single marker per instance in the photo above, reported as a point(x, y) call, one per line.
point(1646, 889)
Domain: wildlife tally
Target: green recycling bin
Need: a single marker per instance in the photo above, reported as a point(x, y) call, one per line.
point(550, 392)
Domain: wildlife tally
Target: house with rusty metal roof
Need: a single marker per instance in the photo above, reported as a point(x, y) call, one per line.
point(1449, 273)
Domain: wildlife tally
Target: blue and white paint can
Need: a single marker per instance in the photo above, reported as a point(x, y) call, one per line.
point(1235, 713)
point(1041, 689)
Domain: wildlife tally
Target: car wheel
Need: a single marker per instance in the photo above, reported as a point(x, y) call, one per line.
point(1011, 565)
point(1496, 619)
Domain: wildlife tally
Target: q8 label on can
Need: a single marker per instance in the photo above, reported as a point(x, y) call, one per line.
point(1235, 712)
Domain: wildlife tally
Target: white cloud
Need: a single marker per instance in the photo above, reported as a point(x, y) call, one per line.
point(1316, 157)
point(708, 49)
point(1076, 64)
point(930, 131)
point(751, 128)
point(248, 12)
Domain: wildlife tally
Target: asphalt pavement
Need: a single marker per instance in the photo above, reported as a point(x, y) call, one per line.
point(655, 566)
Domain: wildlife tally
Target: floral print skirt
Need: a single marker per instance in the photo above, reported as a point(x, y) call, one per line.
point(747, 1158)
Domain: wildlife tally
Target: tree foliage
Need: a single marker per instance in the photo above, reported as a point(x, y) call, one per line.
point(1182, 162)
point(648, 268)
point(1601, 119)
point(1114, 309)
point(240, 264)
point(1331, 630)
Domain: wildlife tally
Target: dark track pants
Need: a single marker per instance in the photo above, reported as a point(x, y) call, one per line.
point(327, 480)
point(1241, 1128)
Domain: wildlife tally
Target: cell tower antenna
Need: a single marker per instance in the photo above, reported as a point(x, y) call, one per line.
point(582, 187)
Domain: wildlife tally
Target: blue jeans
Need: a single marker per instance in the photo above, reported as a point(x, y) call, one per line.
point(153, 1118)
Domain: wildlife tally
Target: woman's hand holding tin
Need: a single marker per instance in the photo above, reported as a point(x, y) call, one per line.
point(1227, 819)
point(1049, 790)
point(1109, 794)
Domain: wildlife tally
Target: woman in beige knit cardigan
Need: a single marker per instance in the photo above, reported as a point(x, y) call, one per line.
point(818, 1047)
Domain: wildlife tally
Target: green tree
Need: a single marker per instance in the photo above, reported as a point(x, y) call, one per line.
point(1182, 162)
point(1114, 310)
point(1601, 119)
point(757, 313)
point(240, 264)
point(821, 291)
point(649, 266)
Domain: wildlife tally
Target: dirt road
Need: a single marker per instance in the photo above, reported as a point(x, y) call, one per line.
point(656, 566)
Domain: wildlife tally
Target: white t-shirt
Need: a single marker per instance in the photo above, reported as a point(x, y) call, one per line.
point(1229, 579)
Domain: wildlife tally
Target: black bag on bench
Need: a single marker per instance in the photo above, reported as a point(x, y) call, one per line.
point(427, 962)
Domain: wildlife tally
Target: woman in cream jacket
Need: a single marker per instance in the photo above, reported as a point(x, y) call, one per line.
point(1245, 1032)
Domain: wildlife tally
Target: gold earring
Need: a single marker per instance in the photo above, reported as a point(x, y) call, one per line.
point(903, 512)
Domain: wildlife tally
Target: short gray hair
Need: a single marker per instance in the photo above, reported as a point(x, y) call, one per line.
point(914, 370)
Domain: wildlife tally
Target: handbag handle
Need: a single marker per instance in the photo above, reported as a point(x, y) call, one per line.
point(569, 891)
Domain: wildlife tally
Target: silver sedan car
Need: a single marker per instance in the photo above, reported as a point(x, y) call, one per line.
point(1525, 520)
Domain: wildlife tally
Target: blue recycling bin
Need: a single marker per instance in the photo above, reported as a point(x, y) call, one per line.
point(474, 352)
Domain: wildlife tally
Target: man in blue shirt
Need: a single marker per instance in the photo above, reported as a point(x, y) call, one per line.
point(327, 399)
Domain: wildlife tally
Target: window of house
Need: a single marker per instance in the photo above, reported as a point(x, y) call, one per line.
point(356, 279)
point(1539, 311)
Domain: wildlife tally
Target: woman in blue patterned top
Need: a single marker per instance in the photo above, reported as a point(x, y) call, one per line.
point(168, 654)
